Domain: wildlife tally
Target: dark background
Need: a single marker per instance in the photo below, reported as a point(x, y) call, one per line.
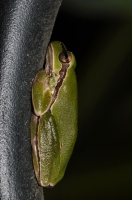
point(100, 36)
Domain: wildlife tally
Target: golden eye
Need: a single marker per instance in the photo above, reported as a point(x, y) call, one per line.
point(65, 57)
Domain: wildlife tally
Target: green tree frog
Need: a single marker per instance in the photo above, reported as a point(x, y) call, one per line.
point(54, 122)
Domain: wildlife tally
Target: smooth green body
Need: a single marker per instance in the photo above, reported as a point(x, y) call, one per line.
point(54, 122)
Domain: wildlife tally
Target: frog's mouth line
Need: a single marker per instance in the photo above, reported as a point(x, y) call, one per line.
point(65, 58)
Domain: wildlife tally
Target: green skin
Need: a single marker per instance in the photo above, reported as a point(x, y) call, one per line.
point(54, 122)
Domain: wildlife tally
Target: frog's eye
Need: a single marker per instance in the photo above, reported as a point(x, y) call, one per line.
point(65, 57)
